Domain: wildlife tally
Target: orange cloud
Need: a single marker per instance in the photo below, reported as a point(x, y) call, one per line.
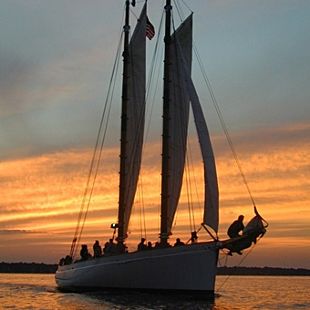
point(43, 194)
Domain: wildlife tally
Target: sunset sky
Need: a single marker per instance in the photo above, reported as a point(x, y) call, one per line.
point(56, 59)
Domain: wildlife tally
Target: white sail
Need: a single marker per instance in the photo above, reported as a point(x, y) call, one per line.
point(211, 207)
point(135, 114)
point(188, 92)
point(181, 43)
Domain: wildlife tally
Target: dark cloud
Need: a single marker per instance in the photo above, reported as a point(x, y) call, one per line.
point(17, 232)
point(70, 216)
point(14, 75)
point(265, 139)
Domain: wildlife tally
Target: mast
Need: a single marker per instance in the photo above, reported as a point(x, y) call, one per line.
point(166, 138)
point(121, 203)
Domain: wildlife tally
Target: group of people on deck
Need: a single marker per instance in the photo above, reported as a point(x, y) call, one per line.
point(112, 248)
point(142, 246)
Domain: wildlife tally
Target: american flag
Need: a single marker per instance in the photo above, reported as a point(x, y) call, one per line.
point(150, 30)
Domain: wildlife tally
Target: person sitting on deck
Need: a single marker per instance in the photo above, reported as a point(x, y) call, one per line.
point(68, 260)
point(119, 248)
point(194, 236)
point(84, 252)
point(149, 245)
point(141, 245)
point(97, 249)
point(109, 247)
point(178, 242)
point(236, 227)
point(61, 262)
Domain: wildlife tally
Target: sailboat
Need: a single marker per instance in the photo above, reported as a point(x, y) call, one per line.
point(191, 267)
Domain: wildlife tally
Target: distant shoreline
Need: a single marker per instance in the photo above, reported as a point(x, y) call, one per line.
point(42, 268)
point(263, 271)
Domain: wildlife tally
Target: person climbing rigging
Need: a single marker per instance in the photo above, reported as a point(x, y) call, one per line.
point(236, 227)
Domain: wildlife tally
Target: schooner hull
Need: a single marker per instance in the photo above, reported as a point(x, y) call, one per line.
point(190, 268)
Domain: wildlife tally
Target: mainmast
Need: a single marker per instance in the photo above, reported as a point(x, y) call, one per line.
point(124, 118)
point(166, 138)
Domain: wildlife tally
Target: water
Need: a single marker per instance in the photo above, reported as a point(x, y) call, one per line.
point(33, 291)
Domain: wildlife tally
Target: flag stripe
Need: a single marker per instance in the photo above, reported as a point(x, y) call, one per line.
point(150, 30)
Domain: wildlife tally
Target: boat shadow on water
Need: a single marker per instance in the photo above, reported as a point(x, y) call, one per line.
point(150, 300)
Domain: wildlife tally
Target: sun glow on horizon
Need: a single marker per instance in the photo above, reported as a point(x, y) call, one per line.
point(41, 198)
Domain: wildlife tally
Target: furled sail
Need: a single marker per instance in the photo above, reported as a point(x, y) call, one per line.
point(211, 207)
point(135, 116)
point(181, 44)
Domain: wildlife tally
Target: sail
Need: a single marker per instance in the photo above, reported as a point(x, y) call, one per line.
point(211, 207)
point(181, 44)
point(187, 92)
point(135, 117)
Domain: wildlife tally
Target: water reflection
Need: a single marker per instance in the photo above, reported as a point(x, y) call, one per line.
point(143, 300)
point(37, 292)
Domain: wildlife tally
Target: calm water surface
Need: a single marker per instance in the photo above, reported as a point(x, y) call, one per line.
point(32, 291)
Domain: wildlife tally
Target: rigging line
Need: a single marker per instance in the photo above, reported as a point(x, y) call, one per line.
point(187, 6)
point(141, 122)
point(140, 217)
point(143, 213)
point(155, 53)
point(148, 92)
point(195, 179)
point(97, 169)
point(142, 200)
point(191, 192)
point(190, 169)
point(188, 199)
point(174, 91)
point(153, 62)
point(223, 124)
point(153, 100)
point(179, 10)
point(133, 13)
point(185, 135)
point(133, 153)
point(73, 245)
point(103, 139)
point(93, 159)
point(96, 173)
point(241, 261)
point(143, 208)
point(223, 258)
point(107, 106)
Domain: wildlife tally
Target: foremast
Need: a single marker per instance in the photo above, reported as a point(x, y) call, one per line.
point(164, 233)
point(124, 118)
point(132, 117)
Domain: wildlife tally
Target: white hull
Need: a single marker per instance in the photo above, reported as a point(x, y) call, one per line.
point(189, 268)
